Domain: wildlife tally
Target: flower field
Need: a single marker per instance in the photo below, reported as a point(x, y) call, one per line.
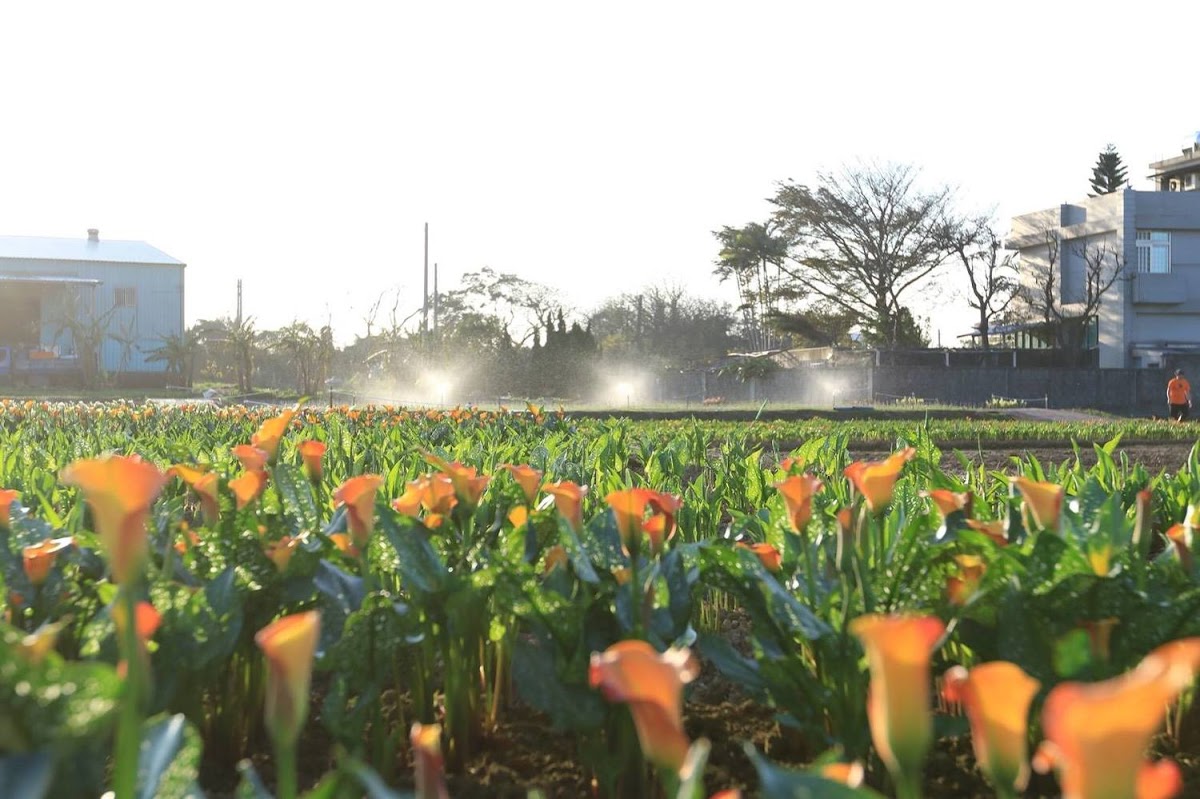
point(203, 601)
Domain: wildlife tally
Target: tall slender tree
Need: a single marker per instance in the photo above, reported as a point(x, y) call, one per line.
point(753, 256)
point(1108, 175)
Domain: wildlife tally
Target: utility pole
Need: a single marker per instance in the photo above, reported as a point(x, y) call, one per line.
point(425, 290)
point(239, 303)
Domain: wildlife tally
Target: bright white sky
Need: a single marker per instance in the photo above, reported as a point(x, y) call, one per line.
point(592, 147)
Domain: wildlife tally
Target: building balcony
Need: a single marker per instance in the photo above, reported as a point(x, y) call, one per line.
point(1159, 289)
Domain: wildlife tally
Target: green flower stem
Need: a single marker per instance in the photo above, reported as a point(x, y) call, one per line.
point(285, 770)
point(129, 724)
point(635, 594)
point(908, 784)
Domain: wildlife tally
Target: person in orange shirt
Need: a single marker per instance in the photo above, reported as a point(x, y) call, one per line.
point(1179, 396)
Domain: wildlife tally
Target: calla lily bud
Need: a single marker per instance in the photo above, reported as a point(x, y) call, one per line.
point(289, 645)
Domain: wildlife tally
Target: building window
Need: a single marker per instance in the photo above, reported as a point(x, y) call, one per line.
point(125, 297)
point(1154, 251)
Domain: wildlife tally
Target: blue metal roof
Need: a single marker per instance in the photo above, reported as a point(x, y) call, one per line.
point(82, 249)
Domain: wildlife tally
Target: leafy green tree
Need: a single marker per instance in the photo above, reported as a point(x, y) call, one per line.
point(861, 238)
point(903, 330)
point(819, 325)
point(1108, 175)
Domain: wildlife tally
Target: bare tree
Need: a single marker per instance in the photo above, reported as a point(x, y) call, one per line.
point(1039, 291)
point(1103, 266)
point(1066, 294)
point(862, 237)
point(991, 270)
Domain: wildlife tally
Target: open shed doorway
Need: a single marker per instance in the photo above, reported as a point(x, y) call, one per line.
point(21, 316)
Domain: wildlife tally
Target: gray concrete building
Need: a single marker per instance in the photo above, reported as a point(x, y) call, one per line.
point(1118, 274)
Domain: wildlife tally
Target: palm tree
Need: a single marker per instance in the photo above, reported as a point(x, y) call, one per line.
point(747, 255)
point(179, 352)
point(242, 340)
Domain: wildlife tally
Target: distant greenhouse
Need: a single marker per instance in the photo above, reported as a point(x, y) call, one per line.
point(71, 309)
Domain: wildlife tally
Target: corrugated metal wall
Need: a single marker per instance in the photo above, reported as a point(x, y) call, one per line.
point(156, 312)
point(156, 291)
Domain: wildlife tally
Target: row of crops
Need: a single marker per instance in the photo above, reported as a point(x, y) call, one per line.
point(190, 588)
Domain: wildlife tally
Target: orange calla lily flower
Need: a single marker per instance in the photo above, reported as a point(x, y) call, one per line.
point(994, 530)
point(289, 645)
point(409, 503)
point(248, 487)
point(797, 493)
point(965, 585)
point(651, 684)
point(660, 527)
point(898, 653)
point(7, 498)
point(997, 697)
point(280, 552)
point(629, 508)
point(344, 544)
point(877, 480)
point(311, 453)
point(120, 491)
point(428, 771)
point(768, 555)
point(1044, 500)
point(556, 556)
point(434, 492)
point(849, 774)
point(528, 478)
point(568, 500)
point(1181, 538)
point(947, 501)
point(1097, 734)
point(1100, 558)
point(469, 485)
point(438, 495)
point(190, 539)
point(789, 463)
point(518, 517)
point(271, 431)
point(358, 495)
point(205, 485)
point(146, 620)
point(253, 459)
point(39, 559)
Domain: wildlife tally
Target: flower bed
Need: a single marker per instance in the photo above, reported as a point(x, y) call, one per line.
point(349, 600)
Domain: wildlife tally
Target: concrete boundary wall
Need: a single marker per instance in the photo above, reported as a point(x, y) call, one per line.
point(1136, 392)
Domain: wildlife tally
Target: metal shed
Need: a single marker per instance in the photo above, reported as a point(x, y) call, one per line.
point(56, 294)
